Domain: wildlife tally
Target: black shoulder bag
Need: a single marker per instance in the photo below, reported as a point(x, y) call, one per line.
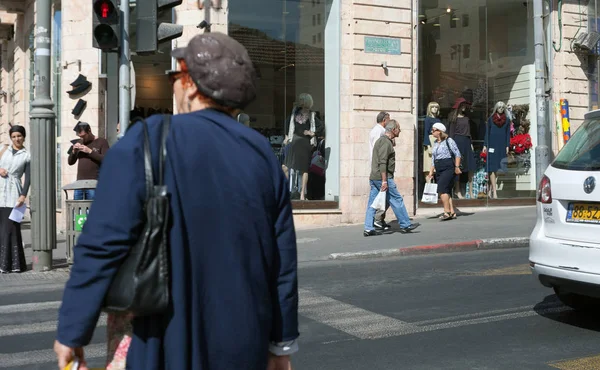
point(460, 166)
point(142, 283)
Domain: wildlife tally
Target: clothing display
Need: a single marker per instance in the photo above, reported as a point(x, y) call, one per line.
point(497, 139)
point(428, 140)
point(301, 146)
point(461, 133)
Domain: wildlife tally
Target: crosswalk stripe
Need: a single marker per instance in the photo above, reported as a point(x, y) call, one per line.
point(44, 356)
point(350, 319)
point(29, 307)
point(38, 327)
point(31, 288)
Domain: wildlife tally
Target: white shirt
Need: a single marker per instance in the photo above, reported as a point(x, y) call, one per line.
point(376, 132)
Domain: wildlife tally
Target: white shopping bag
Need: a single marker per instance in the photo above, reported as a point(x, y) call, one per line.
point(379, 201)
point(430, 195)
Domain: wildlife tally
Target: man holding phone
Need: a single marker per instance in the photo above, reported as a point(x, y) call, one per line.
point(88, 152)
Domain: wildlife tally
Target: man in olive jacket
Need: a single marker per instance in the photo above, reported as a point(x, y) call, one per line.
point(383, 166)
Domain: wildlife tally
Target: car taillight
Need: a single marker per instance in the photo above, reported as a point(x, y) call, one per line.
point(545, 191)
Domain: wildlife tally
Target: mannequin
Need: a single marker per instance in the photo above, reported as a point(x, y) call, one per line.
point(460, 131)
point(496, 144)
point(433, 112)
point(304, 128)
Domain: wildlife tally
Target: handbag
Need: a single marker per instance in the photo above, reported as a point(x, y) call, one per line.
point(141, 284)
point(379, 203)
point(460, 166)
point(317, 162)
point(430, 195)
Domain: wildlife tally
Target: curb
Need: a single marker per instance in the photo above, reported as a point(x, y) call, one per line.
point(472, 245)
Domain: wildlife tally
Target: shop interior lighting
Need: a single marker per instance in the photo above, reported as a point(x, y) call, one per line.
point(449, 10)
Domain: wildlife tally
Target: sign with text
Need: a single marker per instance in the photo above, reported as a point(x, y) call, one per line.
point(382, 45)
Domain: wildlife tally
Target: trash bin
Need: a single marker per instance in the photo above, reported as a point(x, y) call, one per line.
point(77, 211)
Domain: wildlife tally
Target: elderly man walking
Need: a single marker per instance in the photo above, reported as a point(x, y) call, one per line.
point(376, 132)
point(383, 166)
point(233, 288)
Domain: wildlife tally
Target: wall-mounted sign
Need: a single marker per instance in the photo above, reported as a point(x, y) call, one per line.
point(382, 45)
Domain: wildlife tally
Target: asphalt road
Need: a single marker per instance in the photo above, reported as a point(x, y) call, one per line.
point(473, 310)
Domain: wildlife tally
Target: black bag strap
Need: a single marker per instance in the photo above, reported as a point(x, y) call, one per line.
point(149, 176)
point(166, 124)
point(450, 149)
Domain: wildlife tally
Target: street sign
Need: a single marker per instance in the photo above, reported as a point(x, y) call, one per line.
point(382, 45)
point(79, 221)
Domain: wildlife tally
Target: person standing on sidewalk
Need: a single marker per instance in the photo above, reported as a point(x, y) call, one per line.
point(383, 166)
point(376, 132)
point(88, 153)
point(234, 286)
point(14, 165)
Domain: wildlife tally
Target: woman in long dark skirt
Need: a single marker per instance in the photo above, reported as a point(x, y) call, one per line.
point(445, 165)
point(14, 163)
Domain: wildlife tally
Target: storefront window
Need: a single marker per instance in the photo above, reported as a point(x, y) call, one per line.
point(476, 62)
point(295, 48)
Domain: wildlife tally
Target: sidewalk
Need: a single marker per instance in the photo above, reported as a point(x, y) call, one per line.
point(488, 223)
point(319, 244)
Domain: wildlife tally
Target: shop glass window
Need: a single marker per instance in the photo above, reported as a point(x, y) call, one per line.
point(295, 46)
point(487, 63)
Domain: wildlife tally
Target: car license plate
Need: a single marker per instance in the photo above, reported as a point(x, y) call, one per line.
point(584, 213)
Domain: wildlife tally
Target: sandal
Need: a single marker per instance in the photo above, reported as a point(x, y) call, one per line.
point(453, 215)
point(446, 217)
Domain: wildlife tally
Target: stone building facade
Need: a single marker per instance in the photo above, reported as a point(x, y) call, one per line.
point(315, 46)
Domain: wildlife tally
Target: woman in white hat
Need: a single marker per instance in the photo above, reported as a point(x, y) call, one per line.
point(445, 164)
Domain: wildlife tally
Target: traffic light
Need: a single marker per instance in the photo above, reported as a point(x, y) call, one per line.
point(149, 31)
point(106, 28)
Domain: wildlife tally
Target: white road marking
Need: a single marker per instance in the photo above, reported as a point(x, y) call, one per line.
point(44, 356)
point(31, 288)
point(29, 307)
point(364, 324)
point(38, 327)
point(350, 319)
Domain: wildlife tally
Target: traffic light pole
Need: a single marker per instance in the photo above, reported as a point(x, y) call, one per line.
point(43, 146)
point(124, 71)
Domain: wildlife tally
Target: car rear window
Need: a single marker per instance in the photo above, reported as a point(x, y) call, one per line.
point(582, 151)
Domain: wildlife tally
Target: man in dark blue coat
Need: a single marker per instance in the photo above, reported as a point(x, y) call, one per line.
point(232, 243)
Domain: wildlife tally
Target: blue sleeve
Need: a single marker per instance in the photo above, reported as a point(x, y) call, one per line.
point(113, 225)
point(487, 132)
point(285, 319)
point(427, 130)
point(454, 148)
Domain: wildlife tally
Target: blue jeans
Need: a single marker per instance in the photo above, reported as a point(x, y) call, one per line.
point(394, 199)
point(84, 194)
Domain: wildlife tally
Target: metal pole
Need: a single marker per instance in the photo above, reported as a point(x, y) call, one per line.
point(43, 146)
point(542, 150)
point(112, 99)
point(124, 75)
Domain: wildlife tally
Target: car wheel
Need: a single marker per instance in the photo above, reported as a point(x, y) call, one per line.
point(577, 301)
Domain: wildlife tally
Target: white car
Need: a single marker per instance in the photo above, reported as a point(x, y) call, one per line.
point(564, 248)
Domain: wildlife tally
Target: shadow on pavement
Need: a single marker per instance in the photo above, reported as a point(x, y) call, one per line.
point(551, 308)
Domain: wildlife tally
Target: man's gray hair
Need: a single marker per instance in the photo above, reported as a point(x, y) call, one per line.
point(381, 116)
point(392, 125)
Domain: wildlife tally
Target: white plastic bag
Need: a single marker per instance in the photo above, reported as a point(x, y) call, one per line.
point(379, 201)
point(430, 195)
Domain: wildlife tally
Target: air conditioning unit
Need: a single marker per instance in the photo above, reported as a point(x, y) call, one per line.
point(587, 41)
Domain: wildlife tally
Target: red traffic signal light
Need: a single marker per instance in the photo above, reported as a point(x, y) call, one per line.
point(105, 9)
point(106, 28)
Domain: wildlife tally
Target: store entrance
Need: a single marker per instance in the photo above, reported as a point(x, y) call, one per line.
point(477, 68)
point(154, 94)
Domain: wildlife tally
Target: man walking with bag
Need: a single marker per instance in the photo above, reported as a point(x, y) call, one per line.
point(383, 166)
point(376, 132)
point(233, 286)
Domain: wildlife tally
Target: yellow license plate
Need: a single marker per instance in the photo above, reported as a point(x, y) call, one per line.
point(585, 213)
